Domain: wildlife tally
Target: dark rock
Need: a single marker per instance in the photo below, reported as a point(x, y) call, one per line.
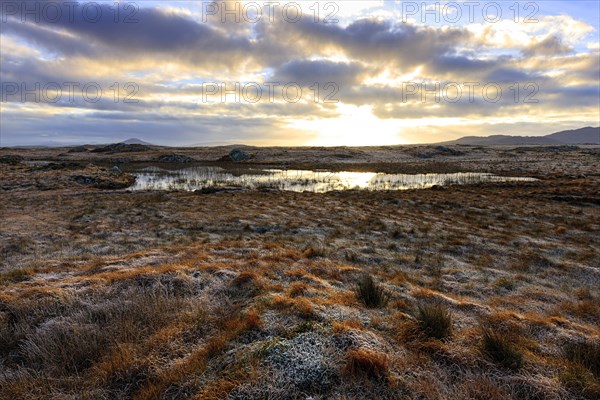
point(120, 160)
point(209, 190)
point(78, 149)
point(343, 156)
point(57, 166)
point(551, 149)
point(121, 148)
point(85, 179)
point(103, 179)
point(116, 171)
point(438, 151)
point(12, 159)
point(175, 158)
point(212, 190)
point(237, 155)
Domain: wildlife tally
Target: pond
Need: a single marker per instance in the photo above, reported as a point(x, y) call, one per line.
point(198, 178)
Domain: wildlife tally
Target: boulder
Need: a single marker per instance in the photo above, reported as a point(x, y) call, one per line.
point(238, 155)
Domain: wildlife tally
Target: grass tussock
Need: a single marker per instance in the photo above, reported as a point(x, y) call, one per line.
point(315, 251)
point(122, 371)
point(588, 309)
point(300, 306)
point(585, 353)
point(434, 320)
point(501, 347)
point(65, 348)
point(367, 364)
point(580, 382)
point(298, 289)
point(246, 285)
point(582, 372)
point(253, 319)
point(350, 324)
point(371, 293)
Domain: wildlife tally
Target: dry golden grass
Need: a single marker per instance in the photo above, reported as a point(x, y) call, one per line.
point(366, 364)
point(587, 309)
point(350, 324)
point(298, 289)
point(181, 295)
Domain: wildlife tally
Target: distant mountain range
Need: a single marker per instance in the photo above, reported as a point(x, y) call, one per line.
point(587, 135)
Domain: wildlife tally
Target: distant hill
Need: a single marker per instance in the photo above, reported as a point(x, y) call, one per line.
point(137, 141)
point(577, 136)
point(587, 135)
point(222, 143)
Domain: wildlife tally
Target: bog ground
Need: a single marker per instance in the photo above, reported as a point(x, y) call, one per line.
point(483, 291)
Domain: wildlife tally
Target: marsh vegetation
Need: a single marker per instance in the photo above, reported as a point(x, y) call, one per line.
point(476, 291)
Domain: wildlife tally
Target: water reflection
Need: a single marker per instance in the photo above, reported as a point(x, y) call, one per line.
point(197, 178)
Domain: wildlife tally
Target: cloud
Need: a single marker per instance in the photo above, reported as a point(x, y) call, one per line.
point(550, 46)
point(308, 72)
point(373, 40)
point(155, 34)
point(170, 52)
point(160, 129)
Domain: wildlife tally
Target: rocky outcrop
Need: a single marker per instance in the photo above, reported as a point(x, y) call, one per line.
point(78, 149)
point(103, 178)
point(121, 148)
point(237, 155)
point(430, 152)
point(57, 166)
point(11, 159)
point(175, 158)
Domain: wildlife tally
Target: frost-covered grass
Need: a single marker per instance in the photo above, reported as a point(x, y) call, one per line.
point(486, 292)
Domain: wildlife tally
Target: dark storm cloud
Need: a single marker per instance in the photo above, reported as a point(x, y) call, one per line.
point(47, 38)
point(402, 45)
point(574, 96)
point(155, 30)
point(447, 64)
point(511, 75)
point(307, 72)
point(152, 32)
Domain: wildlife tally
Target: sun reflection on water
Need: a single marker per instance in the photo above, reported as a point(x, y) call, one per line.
point(198, 178)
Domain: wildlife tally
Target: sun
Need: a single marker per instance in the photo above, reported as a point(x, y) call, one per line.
point(356, 126)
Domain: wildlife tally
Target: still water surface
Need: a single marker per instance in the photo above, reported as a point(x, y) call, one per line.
point(196, 178)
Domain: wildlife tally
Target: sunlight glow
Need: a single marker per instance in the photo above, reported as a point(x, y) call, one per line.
point(357, 126)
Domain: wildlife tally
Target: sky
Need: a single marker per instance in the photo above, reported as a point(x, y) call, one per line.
point(304, 73)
